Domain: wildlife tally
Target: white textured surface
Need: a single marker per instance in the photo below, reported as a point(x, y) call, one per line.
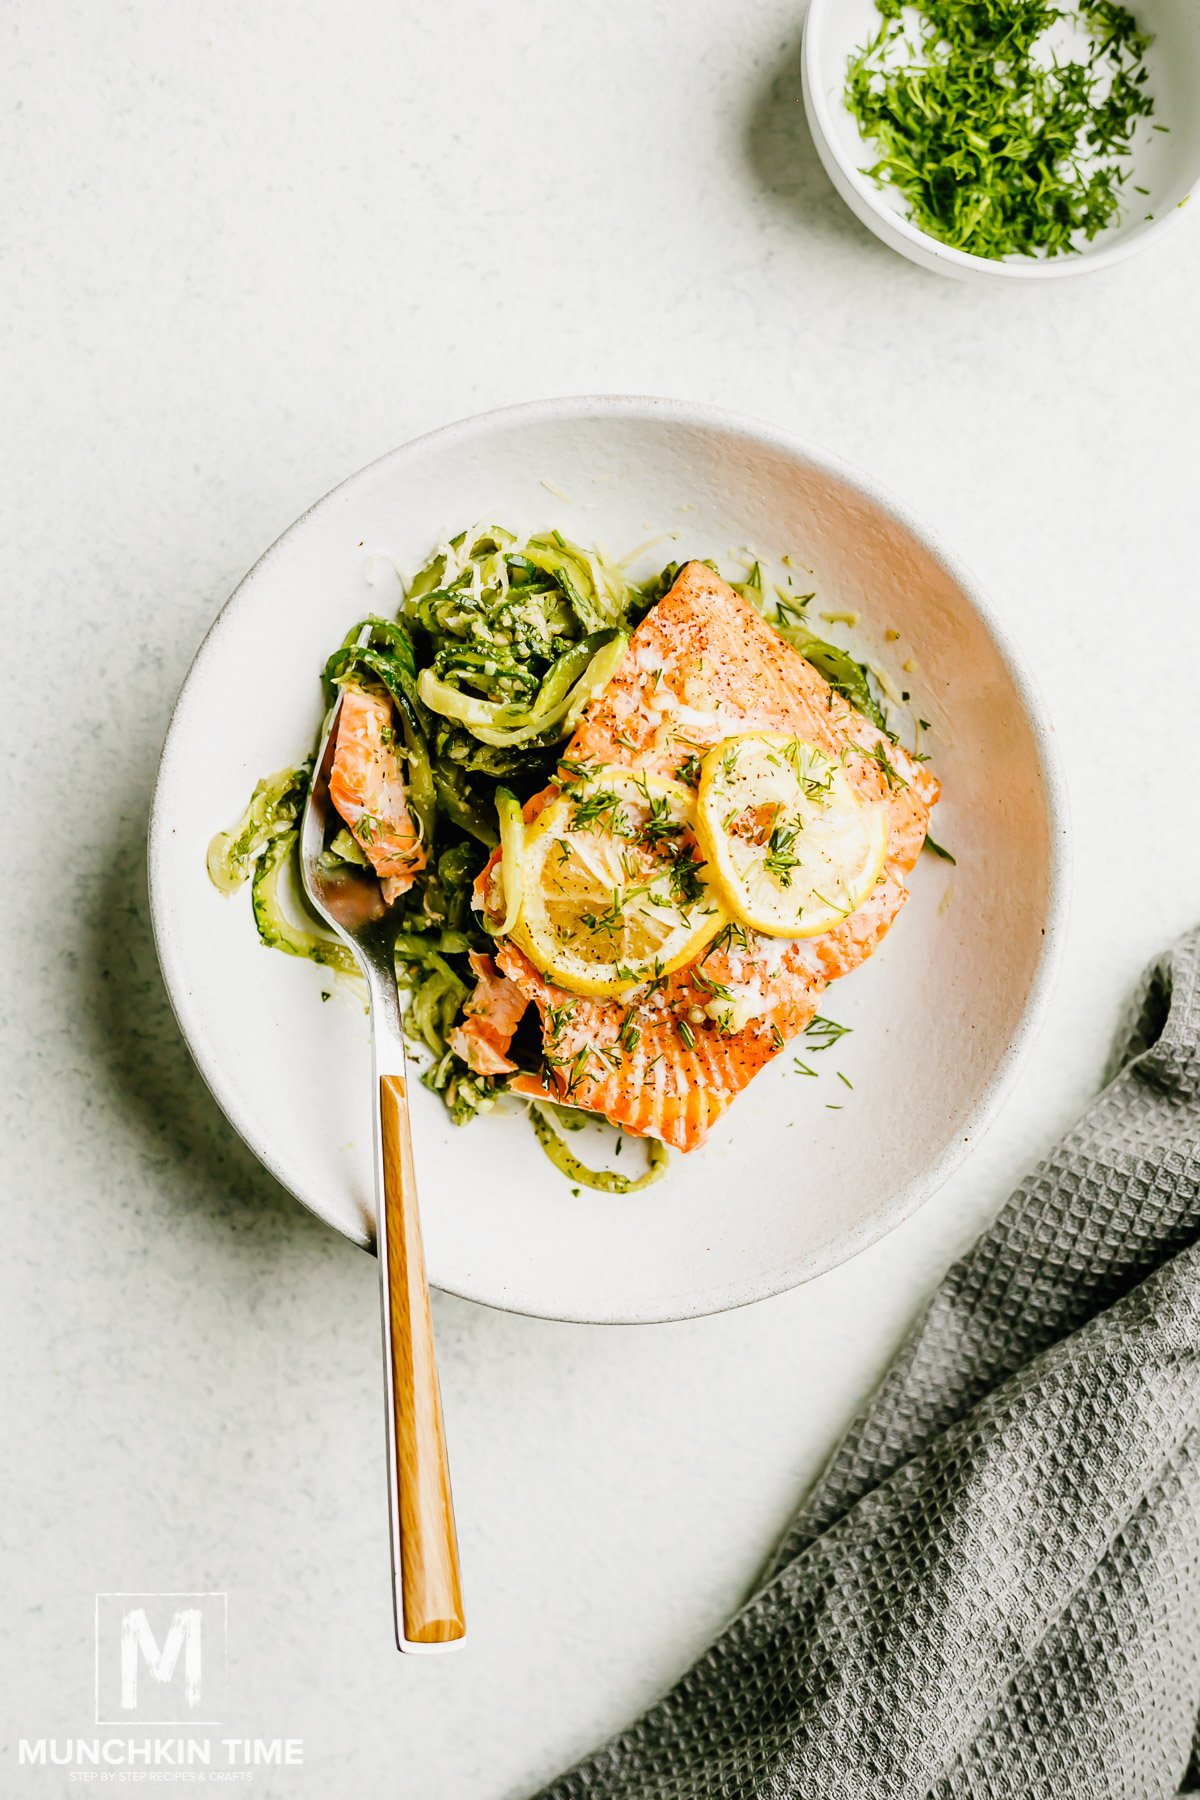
point(251, 248)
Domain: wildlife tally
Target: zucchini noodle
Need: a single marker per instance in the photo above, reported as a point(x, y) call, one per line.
point(273, 811)
point(276, 927)
point(512, 850)
point(574, 679)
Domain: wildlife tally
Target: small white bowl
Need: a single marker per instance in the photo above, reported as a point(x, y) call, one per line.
point(799, 1174)
point(1166, 163)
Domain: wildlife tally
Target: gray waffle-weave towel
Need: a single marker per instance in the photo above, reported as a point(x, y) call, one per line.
point(994, 1589)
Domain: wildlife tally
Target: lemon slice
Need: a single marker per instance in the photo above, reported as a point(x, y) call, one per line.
point(613, 890)
point(792, 847)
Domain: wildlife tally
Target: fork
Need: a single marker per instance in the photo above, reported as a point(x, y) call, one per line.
point(426, 1584)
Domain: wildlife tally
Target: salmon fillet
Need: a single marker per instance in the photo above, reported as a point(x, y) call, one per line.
point(702, 666)
point(366, 785)
point(490, 1018)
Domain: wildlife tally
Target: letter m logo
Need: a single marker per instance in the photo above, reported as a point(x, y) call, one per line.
point(138, 1644)
point(160, 1658)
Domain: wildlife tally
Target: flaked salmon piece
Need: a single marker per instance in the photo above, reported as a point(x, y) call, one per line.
point(366, 785)
point(665, 1062)
point(491, 1016)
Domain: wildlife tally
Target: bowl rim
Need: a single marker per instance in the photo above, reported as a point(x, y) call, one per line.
point(905, 1201)
point(895, 224)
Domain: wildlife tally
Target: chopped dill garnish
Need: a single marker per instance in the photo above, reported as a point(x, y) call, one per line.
point(608, 922)
point(730, 937)
point(660, 825)
point(823, 1033)
point(938, 850)
point(891, 774)
point(556, 1020)
point(656, 984)
point(599, 807)
point(781, 859)
point(1000, 143)
point(684, 878)
point(576, 1070)
point(709, 985)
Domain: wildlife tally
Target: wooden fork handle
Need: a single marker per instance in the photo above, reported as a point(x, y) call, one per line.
point(429, 1596)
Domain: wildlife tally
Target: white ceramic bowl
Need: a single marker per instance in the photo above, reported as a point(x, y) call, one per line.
point(1166, 163)
point(941, 1015)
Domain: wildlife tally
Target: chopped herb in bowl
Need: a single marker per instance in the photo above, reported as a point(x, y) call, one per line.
point(1005, 125)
